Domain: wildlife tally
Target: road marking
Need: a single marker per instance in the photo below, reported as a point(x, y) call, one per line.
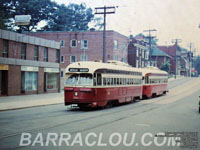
point(144, 125)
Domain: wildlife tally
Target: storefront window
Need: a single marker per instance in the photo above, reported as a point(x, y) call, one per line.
point(52, 81)
point(29, 81)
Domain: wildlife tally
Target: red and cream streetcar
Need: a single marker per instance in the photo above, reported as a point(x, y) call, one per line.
point(155, 82)
point(96, 84)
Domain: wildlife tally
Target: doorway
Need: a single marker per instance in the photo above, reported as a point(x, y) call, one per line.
point(4, 82)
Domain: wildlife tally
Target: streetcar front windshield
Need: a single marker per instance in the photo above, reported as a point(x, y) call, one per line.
point(80, 79)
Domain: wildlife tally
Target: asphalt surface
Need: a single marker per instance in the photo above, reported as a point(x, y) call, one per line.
point(177, 111)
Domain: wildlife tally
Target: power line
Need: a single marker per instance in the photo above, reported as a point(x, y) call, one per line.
point(104, 10)
point(176, 41)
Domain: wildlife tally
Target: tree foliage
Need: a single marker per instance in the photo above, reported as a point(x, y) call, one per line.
point(39, 10)
point(166, 67)
point(73, 17)
point(197, 64)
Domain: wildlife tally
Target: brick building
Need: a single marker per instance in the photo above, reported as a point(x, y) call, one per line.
point(179, 59)
point(138, 54)
point(87, 46)
point(28, 65)
point(158, 57)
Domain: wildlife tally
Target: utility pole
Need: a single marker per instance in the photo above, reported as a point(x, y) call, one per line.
point(176, 41)
point(150, 38)
point(190, 53)
point(104, 10)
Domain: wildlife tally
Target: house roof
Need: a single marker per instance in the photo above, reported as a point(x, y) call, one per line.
point(158, 52)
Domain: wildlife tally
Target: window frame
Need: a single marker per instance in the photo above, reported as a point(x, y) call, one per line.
point(71, 59)
point(62, 43)
point(83, 44)
point(57, 56)
point(5, 48)
point(46, 53)
point(116, 44)
point(71, 42)
point(23, 51)
point(84, 58)
point(36, 53)
point(62, 59)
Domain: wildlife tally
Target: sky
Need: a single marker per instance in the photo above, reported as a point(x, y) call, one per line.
point(172, 19)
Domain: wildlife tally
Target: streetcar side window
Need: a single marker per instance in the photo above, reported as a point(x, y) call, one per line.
point(104, 81)
point(111, 81)
point(108, 81)
point(117, 81)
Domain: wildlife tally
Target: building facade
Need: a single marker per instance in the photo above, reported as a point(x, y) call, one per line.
point(138, 54)
point(87, 46)
point(158, 57)
point(180, 59)
point(28, 65)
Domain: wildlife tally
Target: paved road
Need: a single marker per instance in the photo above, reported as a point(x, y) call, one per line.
point(175, 112)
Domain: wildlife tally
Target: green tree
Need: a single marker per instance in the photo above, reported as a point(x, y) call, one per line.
point(166, 67)
point(197, 64)
point(73, 17)
point(38, 9)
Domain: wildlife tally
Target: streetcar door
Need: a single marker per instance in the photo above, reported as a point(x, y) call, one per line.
point(99, 79)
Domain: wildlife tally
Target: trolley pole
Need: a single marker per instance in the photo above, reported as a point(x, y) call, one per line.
point(150, 38)
point(104, 10)
point(176, 41)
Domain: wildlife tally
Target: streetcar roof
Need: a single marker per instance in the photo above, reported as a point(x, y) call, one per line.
point(152, 70)
point(93, 66)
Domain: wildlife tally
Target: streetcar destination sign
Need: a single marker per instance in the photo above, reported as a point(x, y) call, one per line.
point(78, 70)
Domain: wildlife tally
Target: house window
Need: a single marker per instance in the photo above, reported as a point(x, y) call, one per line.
point(62, 43)
point(147, 55)
point(137, 64)
point(84, 58)
point(73, 43)
point(115, 44)
point(62, 74)
point(5, 48)
point(23, 51)
point(72, 59)
point(84, 44)
point(57, 56)
point(142, 51)
point(137, 53)
point(62, 59)
point(46, 54)
point(36, 53)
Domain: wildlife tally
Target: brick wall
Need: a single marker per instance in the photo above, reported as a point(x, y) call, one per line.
point(30, 52)
point(95, 44)
point(51, 55)
point(41, 80)
point(14, 80)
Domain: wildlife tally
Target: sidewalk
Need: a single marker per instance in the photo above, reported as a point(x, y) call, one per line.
point(25, 101)
point(173, 78)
